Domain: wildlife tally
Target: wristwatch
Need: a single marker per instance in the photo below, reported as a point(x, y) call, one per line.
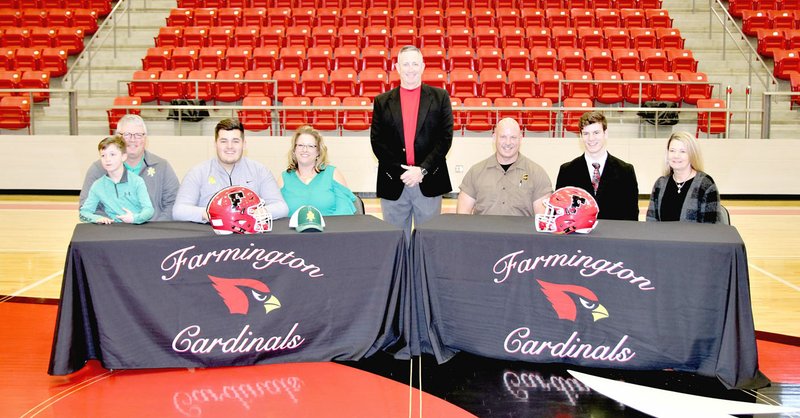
point(423, 171)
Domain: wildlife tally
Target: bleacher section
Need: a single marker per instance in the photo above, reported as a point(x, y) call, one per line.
point(491, 54)
point(36, 39)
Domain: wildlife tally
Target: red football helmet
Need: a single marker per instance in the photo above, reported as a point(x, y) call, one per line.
point(569, 209)
point(237, 209)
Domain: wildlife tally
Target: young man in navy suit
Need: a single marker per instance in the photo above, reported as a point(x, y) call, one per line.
point(610, 180)
point(411, 133)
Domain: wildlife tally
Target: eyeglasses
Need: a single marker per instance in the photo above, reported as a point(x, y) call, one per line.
point(133, 135)
point(305, 146)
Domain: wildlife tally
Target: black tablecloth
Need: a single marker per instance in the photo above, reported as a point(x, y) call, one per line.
point(176, 295)
point(630, 295)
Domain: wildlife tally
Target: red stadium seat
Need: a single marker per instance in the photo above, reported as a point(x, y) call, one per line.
point(712, 122)
point(461, 58)
point(157, 59)
point(794, 81)
point(343, 83)
point(324, 36)
point(512, 36)
point(272, 35)
point(557, 17)
point(319, 57)
point(666, 92)
point(599, 59)
point(211, 58)
point(229, 16)
point(259, 83)
point(297, 36)
point(782, 19)
point(292, 57)
point(431, 36)
point(681, 60)
point(479, 120)
point(184, 58)
point(346, 57)
point(770, 40)
point(254, 16)
point(550, 86)
point(229, 91)
point(375, 57)
point(27, 59)
point(295, 118)
point(522, 84)
point(786, 62)
point(205, 16)
point(147, 88)
point(431, 17)
point(486, 36)
point(353, 16)
point(238, 58)
point(753, 20)
point(169, 36)
point(515, 113)
point(221, 37)
point(287, 82)
point(489, 57)
point(564, 36)
point(657, 18)
point(633, 18)
point(611, 92)
point(579, 90)
point(114, 115)
point(608, 18)
point(168, 88)
point(303, 16)
point(54, 61)
point(570, 58)
point(643, 38)
point(195, 36)
point(265, 57)
point(625, 59)
point(434, 57)
point(617, 37)
point(639, 89)
point(539, 120)
point(591, 37)
point(653, 59)
point(356, 120)
point(572, 117)
point(256, 119)
point(435, 77)
point(542, 57)
point(372, 82)
point(15, 112)
point(516, 57)
point(582, 18)
point(669, 38)
point(42, 37)
point(314, 83)
point(493, 83)
point(459, 36)
point(9, 80)
point(405, 16)
point(201, 84)
point(322, 119)
point(463, 83)
point(694, 92)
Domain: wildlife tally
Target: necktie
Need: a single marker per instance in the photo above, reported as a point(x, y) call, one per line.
point(596, 176)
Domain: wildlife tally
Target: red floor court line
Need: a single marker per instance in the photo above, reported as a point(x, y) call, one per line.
point(277, 390)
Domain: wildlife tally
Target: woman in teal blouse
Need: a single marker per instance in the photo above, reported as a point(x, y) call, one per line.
point(311, 180)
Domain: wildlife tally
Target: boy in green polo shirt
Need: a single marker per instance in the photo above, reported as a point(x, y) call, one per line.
point(122, 193)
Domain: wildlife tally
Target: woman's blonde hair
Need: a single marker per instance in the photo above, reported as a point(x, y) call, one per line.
point(692, 150)
point(322, 157)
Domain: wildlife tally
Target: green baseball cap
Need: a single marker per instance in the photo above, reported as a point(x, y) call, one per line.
point(307, 218)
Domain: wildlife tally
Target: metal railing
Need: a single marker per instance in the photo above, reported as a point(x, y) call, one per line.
point(72, 105)
point(724, 18)
point(107, 29)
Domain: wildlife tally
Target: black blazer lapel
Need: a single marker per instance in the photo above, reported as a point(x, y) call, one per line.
point(424, 107)
point(397, 111)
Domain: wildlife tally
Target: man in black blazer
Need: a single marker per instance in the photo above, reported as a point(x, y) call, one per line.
point(616, 191)
point(411, 133)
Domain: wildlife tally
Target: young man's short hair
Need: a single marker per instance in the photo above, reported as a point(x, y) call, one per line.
point(112, 140)
point(228, 125)
point(589, 118)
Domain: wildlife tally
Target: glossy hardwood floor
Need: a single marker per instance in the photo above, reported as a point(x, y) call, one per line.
point(36, 231)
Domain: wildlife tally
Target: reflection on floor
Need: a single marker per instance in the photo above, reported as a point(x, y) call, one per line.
point(495, 388)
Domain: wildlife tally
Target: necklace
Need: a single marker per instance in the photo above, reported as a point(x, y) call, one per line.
point(680, 184)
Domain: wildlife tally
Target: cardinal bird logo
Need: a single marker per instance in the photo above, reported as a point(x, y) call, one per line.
point(234, 293)
point(563, 298)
